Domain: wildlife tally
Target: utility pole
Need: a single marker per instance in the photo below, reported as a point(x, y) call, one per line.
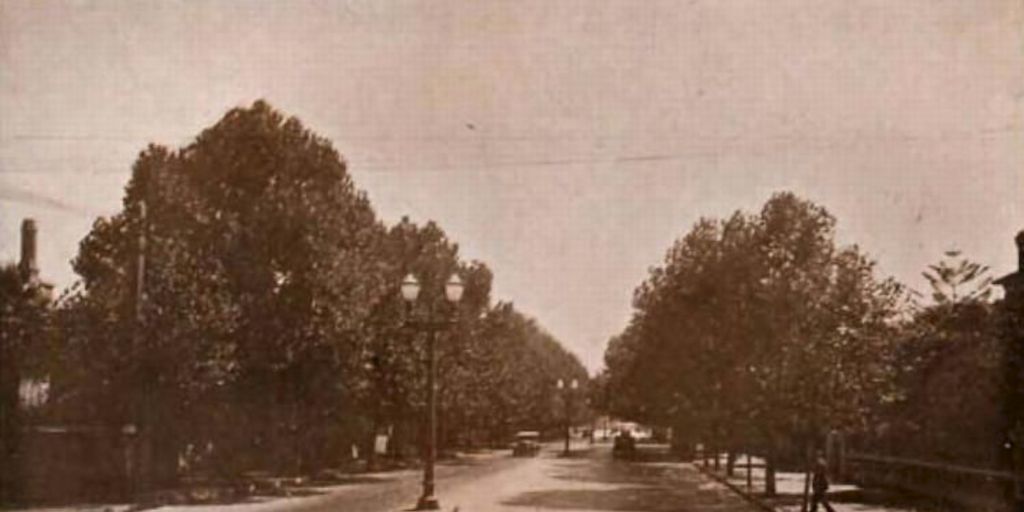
point(142, 454)
point(140, 272)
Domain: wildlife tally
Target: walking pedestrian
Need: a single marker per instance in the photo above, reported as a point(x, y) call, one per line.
point(819, 486)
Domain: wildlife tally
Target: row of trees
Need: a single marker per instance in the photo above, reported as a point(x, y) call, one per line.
point(245, 303)
point(24, 317)
point(760, 333)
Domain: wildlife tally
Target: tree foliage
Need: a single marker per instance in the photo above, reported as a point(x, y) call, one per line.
point(758, 329)
point(950, 370)
point(25, 344)
point(271, 317)
point(957, 279)
point(759, 332)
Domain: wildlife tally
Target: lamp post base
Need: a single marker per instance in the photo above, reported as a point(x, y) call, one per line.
point(427, 503)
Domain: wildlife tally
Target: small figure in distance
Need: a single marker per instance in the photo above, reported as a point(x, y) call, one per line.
point(819, 485)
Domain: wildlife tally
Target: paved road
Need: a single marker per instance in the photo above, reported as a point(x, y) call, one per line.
point(589, 481)
point(593, 481)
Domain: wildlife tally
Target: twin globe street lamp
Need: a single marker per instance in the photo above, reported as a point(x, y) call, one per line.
point(453, 293)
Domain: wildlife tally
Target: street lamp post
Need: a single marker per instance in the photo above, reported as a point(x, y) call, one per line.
point(453, 293)
point(566, 397)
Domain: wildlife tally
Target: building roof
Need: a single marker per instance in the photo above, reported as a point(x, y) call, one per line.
point(1010, 280)
point(1015, 279)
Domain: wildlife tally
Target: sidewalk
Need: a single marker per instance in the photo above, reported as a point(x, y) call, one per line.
point(289, 496)
point(91, 507)
point(789, 487)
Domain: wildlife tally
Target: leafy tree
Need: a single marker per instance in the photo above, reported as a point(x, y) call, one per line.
point(949, 370)
point(25, 351)
point(758, 330)
point(957, 279)
point(260, 266)
point(521, 366)
point(393, 354)
point(271, 317)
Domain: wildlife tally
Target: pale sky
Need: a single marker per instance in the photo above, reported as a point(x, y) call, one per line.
point(565, 143)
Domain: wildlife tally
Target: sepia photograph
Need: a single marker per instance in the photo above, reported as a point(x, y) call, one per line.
point(512, 255)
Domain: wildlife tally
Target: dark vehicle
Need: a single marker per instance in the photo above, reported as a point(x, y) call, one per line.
point(624, 446)
point(527, 444)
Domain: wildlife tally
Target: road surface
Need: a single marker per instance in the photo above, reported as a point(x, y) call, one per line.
point(589, 481)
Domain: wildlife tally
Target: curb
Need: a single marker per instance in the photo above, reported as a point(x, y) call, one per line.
point(736, 489)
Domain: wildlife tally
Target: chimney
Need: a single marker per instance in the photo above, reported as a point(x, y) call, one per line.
point(28, 267)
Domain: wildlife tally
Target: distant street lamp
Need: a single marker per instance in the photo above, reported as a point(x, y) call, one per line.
point(453, 293)
point(567, 397)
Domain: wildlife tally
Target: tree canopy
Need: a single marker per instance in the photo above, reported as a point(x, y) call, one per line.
point(757, 329)
point(270, 315)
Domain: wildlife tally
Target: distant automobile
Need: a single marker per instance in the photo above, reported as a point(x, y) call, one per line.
point(527, 444)
point(624, 446)
point(642, 434)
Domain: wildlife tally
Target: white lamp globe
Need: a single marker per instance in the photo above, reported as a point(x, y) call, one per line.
point(410, 288)
point(453, 288)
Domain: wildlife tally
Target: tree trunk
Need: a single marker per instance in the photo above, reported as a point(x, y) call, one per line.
point(11, 442)
point(809, 461)
point(441, 434)
point(371, 453)
point(394, 439)
point(730, 462)
point(294, 427)
point(399, 435)
point(769, 476)
point(807, 489)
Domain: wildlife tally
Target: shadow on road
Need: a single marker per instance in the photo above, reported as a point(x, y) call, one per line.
point(598, 482)
point(350, 479)
point(631, 472)
point(651, 499)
